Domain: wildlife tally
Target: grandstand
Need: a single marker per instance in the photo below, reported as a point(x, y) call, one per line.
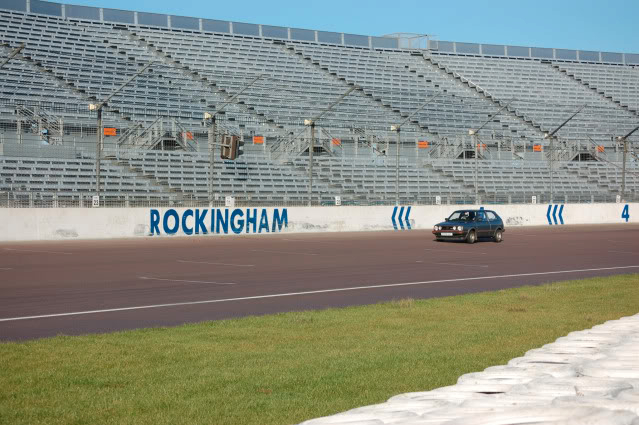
point(263, 82)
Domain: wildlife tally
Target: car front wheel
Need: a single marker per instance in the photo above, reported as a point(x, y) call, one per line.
point(471, 237)
point(498, 236)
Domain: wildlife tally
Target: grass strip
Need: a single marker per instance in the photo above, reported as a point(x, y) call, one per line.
point(286, 368)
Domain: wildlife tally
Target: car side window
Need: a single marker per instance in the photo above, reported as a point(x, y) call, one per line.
point(491, 216)
point(481, 216)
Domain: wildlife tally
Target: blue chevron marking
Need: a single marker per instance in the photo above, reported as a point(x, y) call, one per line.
point(393, 218)
point(401, 223)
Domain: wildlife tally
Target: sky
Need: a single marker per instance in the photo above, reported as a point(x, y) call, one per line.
point(604, 25)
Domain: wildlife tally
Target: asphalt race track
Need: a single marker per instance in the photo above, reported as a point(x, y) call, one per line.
point(78, 287)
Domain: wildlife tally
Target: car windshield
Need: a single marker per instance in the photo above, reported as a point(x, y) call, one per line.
point(462, 216)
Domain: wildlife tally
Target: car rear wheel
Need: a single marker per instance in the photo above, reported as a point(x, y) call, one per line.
point(472, 237)
point(498, 236)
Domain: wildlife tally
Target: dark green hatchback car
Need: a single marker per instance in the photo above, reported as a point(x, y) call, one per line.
point(469, 226)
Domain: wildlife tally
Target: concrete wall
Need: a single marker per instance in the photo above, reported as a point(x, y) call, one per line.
point(105, 223)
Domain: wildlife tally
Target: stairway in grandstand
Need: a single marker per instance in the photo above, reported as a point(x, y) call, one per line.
point(608, 88)
point(607, 177)
point(499, 103)
point(545, 96)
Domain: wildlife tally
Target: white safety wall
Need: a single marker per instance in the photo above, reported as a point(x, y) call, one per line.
point(105, 223)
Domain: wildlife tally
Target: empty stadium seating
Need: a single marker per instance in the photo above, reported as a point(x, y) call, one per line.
point(268, 86)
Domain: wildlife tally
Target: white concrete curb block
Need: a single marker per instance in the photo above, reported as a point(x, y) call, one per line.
point(585, 377)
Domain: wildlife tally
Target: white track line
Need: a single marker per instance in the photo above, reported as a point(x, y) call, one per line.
point(41, 252)
point(215, 264)
point(455, 252)
point(184, 281)
point(323, 291)
point(6, 268)
point(283, 252)
point(624, 252)
point(460, 264)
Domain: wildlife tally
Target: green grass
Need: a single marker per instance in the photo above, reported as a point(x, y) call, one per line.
point(286, 368)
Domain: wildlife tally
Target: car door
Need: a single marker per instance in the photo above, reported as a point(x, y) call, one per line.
point(483, 225)
point(493, 220)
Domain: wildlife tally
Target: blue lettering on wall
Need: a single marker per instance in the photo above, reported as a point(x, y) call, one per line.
point(176, 218)
point(199, 221)
point(263, 222)
point(185, 229)
point(237, 225)
point(193, 221)
point(251, 220)
point(222, 222)
point(279, 221)
point(155, 222)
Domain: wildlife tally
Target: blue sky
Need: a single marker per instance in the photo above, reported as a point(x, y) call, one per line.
point(570, 24)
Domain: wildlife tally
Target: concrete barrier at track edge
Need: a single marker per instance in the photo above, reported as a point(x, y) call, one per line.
point(36, 224)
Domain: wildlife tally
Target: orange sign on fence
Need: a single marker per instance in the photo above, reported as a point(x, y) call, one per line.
point(337, 142)
point(110, 131)
point(600, 149)
point(422, 144)
point(536, 148)
point(189, 135)
point(481, 145)
point(258, 140)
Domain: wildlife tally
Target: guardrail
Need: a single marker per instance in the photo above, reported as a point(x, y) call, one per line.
point(160, 200)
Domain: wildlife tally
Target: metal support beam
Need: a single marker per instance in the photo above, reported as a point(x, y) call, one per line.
point(98, 152)
point(474, 137)
point(624, 139)
point(397, 168)
point(551, 137)
point(100, 130)
point(211, 139)
point(311, 148)
point(398, 129)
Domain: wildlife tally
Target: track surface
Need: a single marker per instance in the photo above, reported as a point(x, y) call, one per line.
point(127, 284)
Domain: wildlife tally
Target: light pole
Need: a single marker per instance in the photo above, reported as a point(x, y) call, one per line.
point(13, 54)
point(474, 138)
point(98, 107)
point(624, 140)
point(212, 133)
point(311, 123)
point(551, 137)
point(398, 129)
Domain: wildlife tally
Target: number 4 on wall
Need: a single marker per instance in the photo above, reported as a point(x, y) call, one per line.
point(625, 213)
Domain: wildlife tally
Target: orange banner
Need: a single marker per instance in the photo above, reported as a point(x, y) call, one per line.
point(109, 131)
point(258, 140)
point(337, 142)
point(536, 148)
point(481, 145)
point(189, 135)
point(600, 148)
point(423, 144)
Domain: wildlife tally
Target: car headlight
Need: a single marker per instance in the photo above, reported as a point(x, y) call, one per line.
point(460, 227)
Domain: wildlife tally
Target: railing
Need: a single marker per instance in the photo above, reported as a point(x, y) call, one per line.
point(170, 200)
point(44, 120)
